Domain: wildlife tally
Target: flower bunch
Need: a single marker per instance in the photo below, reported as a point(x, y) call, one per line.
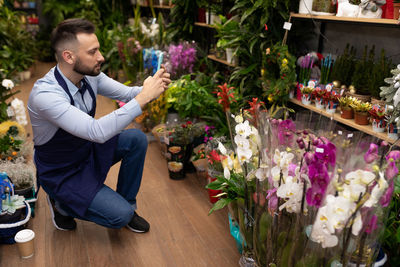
point(345, 102)
point(181, 134)
point(181, 59)
point(307, 90)
point(301, 198)
point(130, 53)
point(377, 112)
point(359, 106)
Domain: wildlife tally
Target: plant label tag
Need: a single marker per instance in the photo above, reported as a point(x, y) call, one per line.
point(340, 132)
point(287, 25)
point(166, 140)
point(319, 150)
point(10, 112)
point(350, 135)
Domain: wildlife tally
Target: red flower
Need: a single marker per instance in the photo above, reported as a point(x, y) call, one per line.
point(225, 96)
point(255, 106)
point(266, 27)
point(214, 156)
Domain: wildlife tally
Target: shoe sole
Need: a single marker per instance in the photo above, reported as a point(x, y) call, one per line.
point(52, 215)
point(135, 230)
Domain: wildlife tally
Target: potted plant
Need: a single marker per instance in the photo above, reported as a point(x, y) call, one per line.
point(179, 138)
point(377, 114)
point(318, 95)
point(228, 31)
point(331, 99)
point(306, 93)
point(346, 111)
point(199, 160)
point(361, 110)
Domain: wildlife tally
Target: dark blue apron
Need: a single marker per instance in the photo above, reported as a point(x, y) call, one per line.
point(71, 169)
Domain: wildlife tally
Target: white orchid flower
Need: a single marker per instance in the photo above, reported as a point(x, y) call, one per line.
point(243, 129)
point(227, 173)
point(377, 191)
point(242, 142)
point(352, 191)
point(292, 192)
point(360, 177)
point(239, 119)
point(357, 224)
point(320, 232)
point(222, 148)
point(7, 84)
point(244, 155)
point(262, 172)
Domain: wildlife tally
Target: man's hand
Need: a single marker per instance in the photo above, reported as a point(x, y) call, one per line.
point(153, 87)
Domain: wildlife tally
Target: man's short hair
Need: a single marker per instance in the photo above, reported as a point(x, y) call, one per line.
point(67, 30)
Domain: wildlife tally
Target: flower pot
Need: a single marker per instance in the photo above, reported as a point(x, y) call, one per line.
point(319, 103)
point(347, 113)
point(331, 107)
point(229, 55)
point(305, 6)
point(306, 99)
point(211, 192)
point(175, 161)
point(361, 118)
point(378, 125)
point(396, 8)
point(323, 7)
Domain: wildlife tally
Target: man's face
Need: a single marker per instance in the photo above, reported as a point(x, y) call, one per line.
point(88, 56)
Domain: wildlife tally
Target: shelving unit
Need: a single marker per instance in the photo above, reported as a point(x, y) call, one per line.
point(336, 116)
point(392, 22)
point(202, 24)
point(212, 57)
point(158, 6)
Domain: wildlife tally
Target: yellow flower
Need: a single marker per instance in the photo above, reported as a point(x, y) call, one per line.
point(5, 126)
point(284, 62)
point(270, 98)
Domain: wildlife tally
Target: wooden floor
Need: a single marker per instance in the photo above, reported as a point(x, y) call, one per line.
point(181, 233)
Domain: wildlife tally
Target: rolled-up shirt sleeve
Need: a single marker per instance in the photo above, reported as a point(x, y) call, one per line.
point(54, 107)
point(113, 89)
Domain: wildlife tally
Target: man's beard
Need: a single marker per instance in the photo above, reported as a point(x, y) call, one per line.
point(83, 70)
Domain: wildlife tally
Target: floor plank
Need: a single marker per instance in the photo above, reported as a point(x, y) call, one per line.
point(181, 233)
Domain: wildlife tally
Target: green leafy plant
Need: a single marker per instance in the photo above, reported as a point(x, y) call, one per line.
point(345, 102)
point(258, 29)
point(192, 98)
point(344, 66)
point(362, 71)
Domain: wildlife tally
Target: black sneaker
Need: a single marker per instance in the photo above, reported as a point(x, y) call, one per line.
point(61, 222)
point(138, 224)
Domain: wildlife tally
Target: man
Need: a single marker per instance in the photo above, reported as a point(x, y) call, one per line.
point(74, 151)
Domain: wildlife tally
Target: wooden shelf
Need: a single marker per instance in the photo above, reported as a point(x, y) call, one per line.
point(392, 22)
point(212, 57)
point(336, 116)
point(157, 6)
point(202, 24)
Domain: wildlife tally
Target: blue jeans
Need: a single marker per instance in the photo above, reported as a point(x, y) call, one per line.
point(114, 209)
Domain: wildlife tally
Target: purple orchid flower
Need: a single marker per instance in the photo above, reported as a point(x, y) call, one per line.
point(387, 196)
point(286, 130)
point(392, 170)
point(372, 153)
point(326, 153)
point(372, 224)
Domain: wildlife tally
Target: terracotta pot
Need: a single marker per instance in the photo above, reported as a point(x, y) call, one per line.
point(361, 118)
point(347, 113)
point(396, 8)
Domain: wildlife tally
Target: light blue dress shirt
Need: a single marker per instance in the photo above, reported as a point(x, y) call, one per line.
point(50, 108)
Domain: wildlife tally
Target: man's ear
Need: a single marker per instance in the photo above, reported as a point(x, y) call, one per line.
point(68, 56)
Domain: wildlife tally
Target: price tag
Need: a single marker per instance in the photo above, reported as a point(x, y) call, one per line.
point(340, 132)
point(350, 135)
point(287, 26)
point(319, 150)
point(10, 112)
